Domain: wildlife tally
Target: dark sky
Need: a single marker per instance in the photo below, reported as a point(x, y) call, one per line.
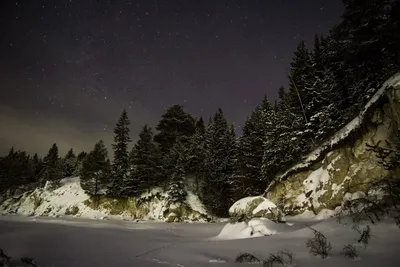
point(69, 67)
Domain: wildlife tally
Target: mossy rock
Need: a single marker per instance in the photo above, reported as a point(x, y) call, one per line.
point(248, 210)
point(72, 211)
point(37, 200)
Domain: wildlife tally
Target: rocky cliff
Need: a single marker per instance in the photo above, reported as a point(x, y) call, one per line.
point(343, 165)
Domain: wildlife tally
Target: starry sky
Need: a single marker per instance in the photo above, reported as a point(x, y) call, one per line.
point(69, 67)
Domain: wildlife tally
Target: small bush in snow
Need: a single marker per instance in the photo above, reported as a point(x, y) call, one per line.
point(28, 262)
point(281, 258)
point(247, 258)
point(365, 235)
point(365, 209)
point(397, 220)
point(350, 251)
point(4, 258)
point(319, 245)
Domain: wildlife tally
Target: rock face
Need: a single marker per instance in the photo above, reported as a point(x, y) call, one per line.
point(346, 168)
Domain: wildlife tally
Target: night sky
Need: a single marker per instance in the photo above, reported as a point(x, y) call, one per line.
point(69, 67)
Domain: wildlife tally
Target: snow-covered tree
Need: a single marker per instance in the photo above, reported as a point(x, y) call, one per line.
point(96, 170)
point(120, 166)
point(197, 154)
point(69, 163)
point(144, 159)
point(52, 169)
point(175, 124)
point(176, 192)
point(218, 171)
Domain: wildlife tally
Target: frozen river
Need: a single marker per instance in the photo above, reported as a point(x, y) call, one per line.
point(77, 242)
point(86, 243)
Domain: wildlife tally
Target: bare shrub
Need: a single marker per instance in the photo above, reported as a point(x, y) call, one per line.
point(350, 251)
point(365, 235)
point(4, 258)
point(319, 245)
point(247, 258)
point(281, 258)
point(28, 262)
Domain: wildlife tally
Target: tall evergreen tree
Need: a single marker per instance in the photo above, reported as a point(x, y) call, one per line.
point(176, 192)
point(121, 156)
point(69, 163)
point(300, 81)
point(217, 166)
point(251, 150)
point(175, 124)
point(37, 165)
point(145, 162)
point(197, 154)
point(52, 170)
point(96, 170)
point(79, 161)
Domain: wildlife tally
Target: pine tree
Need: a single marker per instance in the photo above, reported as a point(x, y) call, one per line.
point(176, 192)
point(301, 81)
point(175, 124)
point(96, 170)
point(217, 166)
point(79, 161)
point(197, 154)
point(251, 150)
point(37, 165)
point(145, 162)
point(121, 156)
point(70, 163)
point(52, 170)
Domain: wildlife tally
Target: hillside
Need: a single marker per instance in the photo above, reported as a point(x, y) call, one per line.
point(70, 200)
point(343, 165)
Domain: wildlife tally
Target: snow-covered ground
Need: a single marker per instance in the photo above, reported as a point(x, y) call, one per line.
point(75, 242)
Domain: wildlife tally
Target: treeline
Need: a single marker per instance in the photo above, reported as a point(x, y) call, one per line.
point(328, 85)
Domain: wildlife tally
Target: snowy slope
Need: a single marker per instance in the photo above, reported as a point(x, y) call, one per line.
point(70, 200)
point(343, 133)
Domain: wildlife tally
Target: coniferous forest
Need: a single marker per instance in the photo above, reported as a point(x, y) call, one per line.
point(330, 81)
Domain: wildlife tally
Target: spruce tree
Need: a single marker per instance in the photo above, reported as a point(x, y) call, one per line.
point(79, 161)
point(217, 166)
point(301, 81)
point(37, 165)
point(96, 170)
point(251, 150)
point(175, 124)
point(176, 192)
point(52, 170)
point(69, 163)
point(197, 154)
point(145, 172)
point(120, 165)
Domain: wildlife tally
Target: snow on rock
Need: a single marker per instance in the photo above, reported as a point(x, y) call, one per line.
point(256, 207)
point(256, 227)
point(70, 200)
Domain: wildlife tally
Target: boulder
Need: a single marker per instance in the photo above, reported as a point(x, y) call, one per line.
point(255, 207)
